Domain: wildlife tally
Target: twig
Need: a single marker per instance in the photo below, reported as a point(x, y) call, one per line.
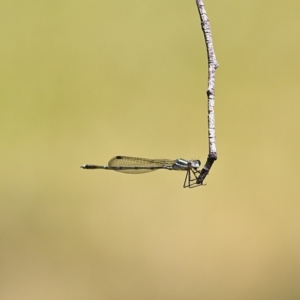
point(212, 66)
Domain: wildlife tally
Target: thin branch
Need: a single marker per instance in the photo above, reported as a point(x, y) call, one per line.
point(212, 67)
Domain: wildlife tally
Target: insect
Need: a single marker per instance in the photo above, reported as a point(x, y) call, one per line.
point(136, 165)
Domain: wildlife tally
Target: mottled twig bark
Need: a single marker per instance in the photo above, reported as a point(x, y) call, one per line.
point(212, 66)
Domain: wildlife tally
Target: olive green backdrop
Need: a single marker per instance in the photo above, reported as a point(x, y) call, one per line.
point(83, 81)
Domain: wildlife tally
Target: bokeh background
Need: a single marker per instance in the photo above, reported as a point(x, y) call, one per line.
point(83, 81)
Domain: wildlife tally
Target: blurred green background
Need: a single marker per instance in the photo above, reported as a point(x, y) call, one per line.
point(83, 81)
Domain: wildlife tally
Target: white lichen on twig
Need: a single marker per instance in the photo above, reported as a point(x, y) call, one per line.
point(212, 66)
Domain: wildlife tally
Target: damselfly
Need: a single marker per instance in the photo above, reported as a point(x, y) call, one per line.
point(136, 165)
